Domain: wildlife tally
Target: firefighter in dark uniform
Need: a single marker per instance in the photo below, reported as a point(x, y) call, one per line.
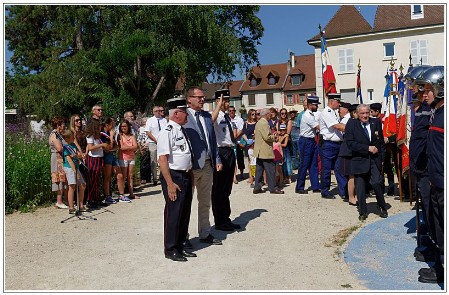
point(175, 162)
point(431, 82)
point(418, 155)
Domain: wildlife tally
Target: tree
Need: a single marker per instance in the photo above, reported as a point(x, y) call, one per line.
point(68, 58)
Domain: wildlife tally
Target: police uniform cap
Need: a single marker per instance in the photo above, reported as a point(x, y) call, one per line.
point(225, 93)
point(336, 96)
point(177, 103)
point(353, 107)
point(313, 99)
point(345, 105)
point(376, 106)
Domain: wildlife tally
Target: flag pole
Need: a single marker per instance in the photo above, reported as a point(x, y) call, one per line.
point(322, 77)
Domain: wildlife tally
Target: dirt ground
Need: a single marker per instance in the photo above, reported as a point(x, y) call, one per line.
point(288, 242)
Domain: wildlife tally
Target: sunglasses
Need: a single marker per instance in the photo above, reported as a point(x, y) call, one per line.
point(77, 120)
point(258, 114)
point(283, 113)
point(253, 114)
point(100, 110)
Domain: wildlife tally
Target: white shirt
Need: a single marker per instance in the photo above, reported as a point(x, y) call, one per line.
point(345, 119)
point(222, 132)
point(368, 128)
point(97, 152)
point(152, 126)
point(238, 122)
point(328, 119)
point(308, 124)
point(171, 142)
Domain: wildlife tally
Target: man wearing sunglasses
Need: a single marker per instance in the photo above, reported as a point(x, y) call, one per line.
point(153, 126)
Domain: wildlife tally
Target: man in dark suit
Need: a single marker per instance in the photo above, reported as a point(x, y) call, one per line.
point(365, 139)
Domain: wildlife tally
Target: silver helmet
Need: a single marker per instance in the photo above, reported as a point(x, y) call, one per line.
point(435, 77)
point(415, 72)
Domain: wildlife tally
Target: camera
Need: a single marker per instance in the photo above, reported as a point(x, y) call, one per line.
point(225, 93)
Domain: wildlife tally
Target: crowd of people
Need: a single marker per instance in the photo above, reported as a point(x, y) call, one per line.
point(205, 151)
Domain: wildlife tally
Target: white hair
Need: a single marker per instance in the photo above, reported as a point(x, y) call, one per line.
point(264, 112)
point(360, 106)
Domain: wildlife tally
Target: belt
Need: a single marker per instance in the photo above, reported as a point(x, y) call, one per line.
point(337, 142)
point(180, 171)
point(226, 147)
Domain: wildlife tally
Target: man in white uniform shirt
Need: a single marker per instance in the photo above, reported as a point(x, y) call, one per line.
point(154, 125)
point(238, 122)
point(331, 133)
point(308, 147)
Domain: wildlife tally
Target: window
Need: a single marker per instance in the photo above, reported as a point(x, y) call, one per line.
point(418, 50)
point(348, 95)
point(270, 99)
point(417, 11)
point(251, 99)
point(271, 81)
point(370, 94)
point(296, 80)
point(389, 50)
point(346, 60)
point(289, 99)
point(253, 82)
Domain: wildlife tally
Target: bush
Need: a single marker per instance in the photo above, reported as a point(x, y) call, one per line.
point(27, 172)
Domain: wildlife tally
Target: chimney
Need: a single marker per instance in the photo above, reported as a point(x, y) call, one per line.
point(292, 59)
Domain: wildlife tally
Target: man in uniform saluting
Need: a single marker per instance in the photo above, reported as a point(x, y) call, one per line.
point(175, 162)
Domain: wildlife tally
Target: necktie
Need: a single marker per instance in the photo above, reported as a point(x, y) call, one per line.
point(188, 143)
point(200, 126)
point(231, 131)
point(159, 124)
point(366, 130)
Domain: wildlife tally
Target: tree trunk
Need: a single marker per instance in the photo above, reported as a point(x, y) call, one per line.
point(153, 96)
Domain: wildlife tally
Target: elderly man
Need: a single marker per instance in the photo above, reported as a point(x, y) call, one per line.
point(365, 139)
point(154, 125)
point(263, 152)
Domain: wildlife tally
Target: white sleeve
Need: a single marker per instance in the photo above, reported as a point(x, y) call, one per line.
point(148, 124)
point(163, 143)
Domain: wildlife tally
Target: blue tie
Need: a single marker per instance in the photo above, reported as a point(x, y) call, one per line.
point(159, 124)
point(231, 130)
point(366, 130)
point(200, 126)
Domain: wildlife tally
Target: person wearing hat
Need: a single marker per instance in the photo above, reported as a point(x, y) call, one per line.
point(175, 162)
point(308, 148)
point(331, 131)
point(199, 128)
point(375, 110)
point(225, 133)
point(352, 110)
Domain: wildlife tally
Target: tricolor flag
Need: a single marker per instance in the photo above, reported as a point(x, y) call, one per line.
point(359, 86)
point(403, 118)
point(389, 104)
point(328, 72)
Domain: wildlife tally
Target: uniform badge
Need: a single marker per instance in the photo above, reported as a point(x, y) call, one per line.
point(329, 111)
point(169, 127)
point(376, 133)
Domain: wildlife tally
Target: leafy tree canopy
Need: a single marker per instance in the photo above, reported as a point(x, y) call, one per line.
point(67, 58)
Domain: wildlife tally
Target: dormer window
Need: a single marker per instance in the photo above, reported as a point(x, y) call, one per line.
point(297, 79)
point(417, 11)
point(271, 81)
point(273, 78)
point(254, 79)
point(253, 82)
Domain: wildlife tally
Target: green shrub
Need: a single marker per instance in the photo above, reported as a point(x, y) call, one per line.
point(27, 173)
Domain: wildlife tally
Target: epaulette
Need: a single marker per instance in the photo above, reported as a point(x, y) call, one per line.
point(169, 127)
point(329, 110)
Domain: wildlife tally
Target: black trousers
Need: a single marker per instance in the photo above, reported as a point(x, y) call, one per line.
point(437, 198)
point(145, 166)
point(240, 158)
point(423, 184)
point(373, 177)
point(177, 213)
point(222, 186)
point(269, 167)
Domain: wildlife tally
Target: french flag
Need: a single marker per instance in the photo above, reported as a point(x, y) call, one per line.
point(389, 105)
point(326, 67)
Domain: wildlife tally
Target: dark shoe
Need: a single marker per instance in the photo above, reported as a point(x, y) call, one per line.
point(404, 198)
point(235, 225)
point(383, 213)
point(424, 256)
point(352, 204)
point(155, 182)
point(363, 217)
point(187, 244)
point(175, 256)
point(211, 240)
point(426, 270)
point(224, 227)
point(301, 191)
point(316, 191)
point(258, 191)
point(187, 254)
point(430, 276)
point(277, 192)
point(327, 197)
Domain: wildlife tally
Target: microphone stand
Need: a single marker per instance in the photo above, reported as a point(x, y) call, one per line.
point(78, 213)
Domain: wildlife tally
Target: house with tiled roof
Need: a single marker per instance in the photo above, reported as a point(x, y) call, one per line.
point(399, 32)
point(234, 93)
point(279, 85)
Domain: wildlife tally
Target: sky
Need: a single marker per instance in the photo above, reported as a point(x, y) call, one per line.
point(287, 28)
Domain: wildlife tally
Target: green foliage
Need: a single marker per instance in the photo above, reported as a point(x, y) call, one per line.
point(27, 173)
point(68, 58)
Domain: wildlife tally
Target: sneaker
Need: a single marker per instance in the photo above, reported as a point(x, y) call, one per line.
point(124, 199)
point(110, 200)
point(61, 206)
point(72, 211)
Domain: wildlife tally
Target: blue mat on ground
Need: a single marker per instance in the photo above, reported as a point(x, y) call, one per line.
point(381, 255)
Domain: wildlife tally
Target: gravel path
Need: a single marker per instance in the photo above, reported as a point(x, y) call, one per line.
point(286, 244)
